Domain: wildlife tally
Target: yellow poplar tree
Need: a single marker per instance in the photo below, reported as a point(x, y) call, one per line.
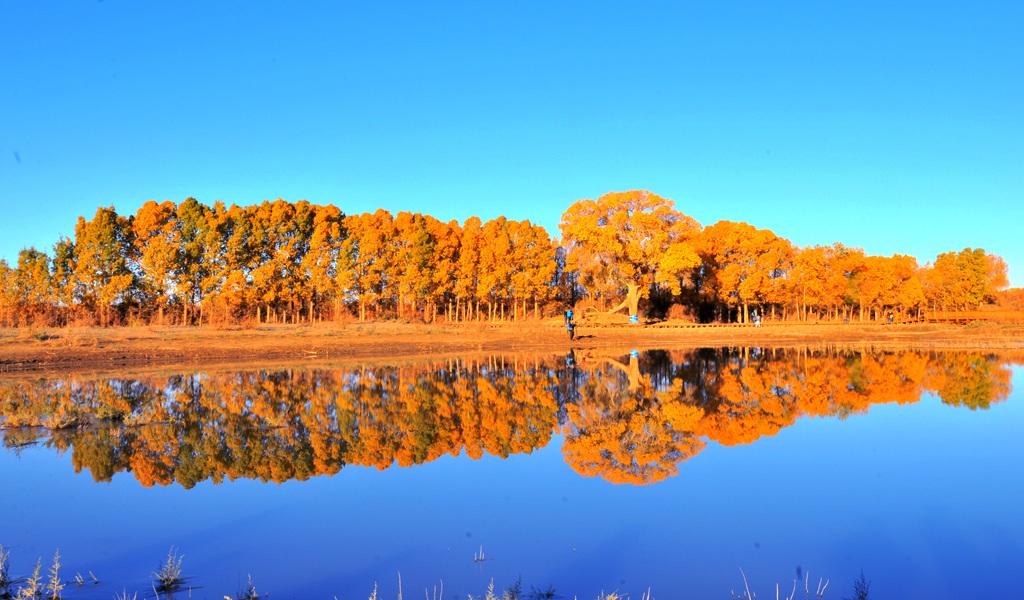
point(321, 259)
point(156, 245)
point(467, 271)
point(102, 250)
point(630, 240)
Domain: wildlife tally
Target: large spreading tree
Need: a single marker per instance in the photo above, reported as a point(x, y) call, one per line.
point(625, 242)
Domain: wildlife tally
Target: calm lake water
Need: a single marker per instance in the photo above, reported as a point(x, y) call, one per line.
point(656, 470)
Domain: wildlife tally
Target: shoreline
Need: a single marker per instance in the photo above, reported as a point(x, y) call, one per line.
point(70, 350)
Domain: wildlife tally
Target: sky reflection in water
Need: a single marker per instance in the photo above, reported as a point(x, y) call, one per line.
point(923, 495)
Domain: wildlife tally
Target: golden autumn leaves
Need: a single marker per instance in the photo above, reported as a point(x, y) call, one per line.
point(636, 243)
point(278, 261)
point(633, 239)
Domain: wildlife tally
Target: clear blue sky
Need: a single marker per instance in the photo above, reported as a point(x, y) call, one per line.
point(898, 129)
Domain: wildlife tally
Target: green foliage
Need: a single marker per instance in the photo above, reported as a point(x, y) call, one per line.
point(103, 250)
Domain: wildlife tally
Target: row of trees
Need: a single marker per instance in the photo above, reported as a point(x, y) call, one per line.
point(636, 245)
point(626, 419)
point(278, 261)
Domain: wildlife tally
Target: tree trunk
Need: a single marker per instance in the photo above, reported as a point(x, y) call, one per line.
point(633, 294)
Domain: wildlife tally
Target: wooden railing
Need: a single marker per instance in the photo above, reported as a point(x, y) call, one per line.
point(970, 316)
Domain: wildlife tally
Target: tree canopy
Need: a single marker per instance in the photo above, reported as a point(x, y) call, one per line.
point(279, 261)
point(626, 242)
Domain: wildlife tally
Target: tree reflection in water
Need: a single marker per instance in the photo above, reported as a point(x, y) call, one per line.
point(628, 418)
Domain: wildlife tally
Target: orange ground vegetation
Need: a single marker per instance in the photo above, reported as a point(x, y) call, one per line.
point(95, 348)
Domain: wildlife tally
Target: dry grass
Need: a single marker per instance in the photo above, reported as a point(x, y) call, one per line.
point(33, 586)
point(169, 576)
point(54, 585)
point(84, 348)
point(5, 572)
